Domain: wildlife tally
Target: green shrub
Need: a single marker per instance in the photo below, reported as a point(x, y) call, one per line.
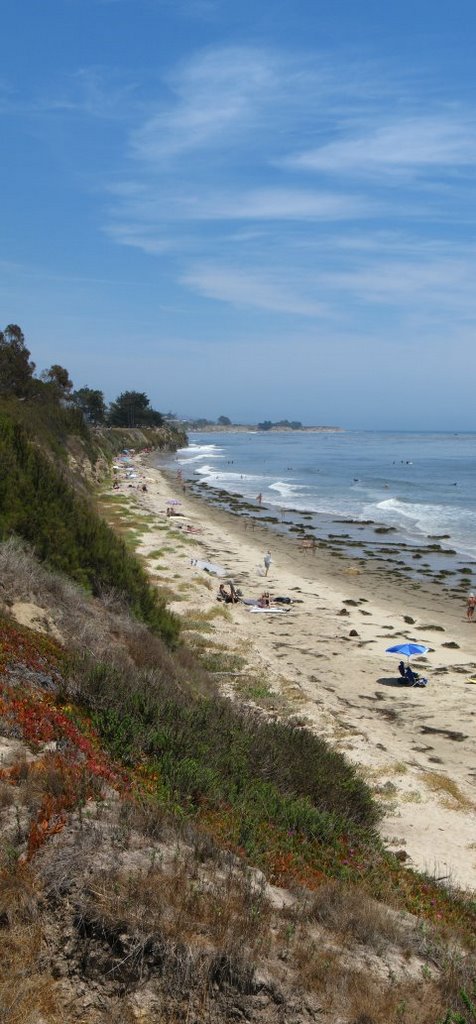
point(38, 503)
point(207, 748)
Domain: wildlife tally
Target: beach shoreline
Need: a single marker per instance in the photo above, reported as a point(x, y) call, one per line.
point(365, 495)
point(326, 658)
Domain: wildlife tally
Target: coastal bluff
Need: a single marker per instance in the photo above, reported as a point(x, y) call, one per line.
point(186, 835)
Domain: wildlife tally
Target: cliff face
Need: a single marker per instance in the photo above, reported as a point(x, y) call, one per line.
point(45, 498)
point(112, 440)
point(91, 461)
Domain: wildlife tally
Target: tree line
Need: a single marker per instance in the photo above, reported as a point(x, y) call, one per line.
point(287, 424)
point(18, 379)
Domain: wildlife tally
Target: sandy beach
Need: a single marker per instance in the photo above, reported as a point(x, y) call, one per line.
point(326, 658)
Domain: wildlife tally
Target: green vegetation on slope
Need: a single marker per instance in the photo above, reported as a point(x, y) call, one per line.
point(209, 747)
point(48, 423)
point(38, 503)
point(153, 899)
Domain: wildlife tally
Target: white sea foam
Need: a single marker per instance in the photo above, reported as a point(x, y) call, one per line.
point(427, 519)
point(199, 448)
point(223, 477)
point(424, 517)
point(320, 506)
point(199, 457)
point(286, 489)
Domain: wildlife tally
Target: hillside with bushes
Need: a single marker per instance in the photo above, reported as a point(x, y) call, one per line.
point(169, 854)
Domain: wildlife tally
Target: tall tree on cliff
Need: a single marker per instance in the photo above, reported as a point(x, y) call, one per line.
point(92, 404)
point(59, 381)
point(16, 368)
point(132, 409)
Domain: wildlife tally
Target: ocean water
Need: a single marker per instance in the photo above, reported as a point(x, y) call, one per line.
point(421, 484)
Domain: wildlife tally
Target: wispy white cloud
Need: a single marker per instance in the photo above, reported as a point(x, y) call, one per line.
point(249, 290)
point(407, 146)
point(212, 95)
point(96, 92)
point(278, 204)
point(443, 284)
point(139, 236)
point(216, 184)
point(436, 292)
point(140, 217)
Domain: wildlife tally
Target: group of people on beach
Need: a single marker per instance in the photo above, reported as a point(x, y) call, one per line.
point(229, 596)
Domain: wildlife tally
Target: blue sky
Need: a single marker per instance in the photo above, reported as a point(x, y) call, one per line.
point(264, 210)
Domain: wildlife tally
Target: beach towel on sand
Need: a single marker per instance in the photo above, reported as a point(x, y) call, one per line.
point(272, 611)
point(215, 570)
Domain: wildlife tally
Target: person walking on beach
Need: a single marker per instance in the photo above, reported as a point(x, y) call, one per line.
point(267, 562)
point(470, 606)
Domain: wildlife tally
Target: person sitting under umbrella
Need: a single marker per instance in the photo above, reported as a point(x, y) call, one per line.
point(408, 675)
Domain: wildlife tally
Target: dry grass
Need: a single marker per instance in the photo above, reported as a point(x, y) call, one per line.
point(26, 988)
point(196, 921)
point(380, 771)
point(449, 791)
point(411, 796)
point(195, 616)
point(355, 917)
point(19, 895)
point(225, 910)
point(358, 995)
point(7, 795)
point(27, 991)
point(69, 608)
point(101, 628)
point(203, 581)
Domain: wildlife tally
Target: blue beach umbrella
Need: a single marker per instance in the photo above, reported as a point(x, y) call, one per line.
point(407, 649)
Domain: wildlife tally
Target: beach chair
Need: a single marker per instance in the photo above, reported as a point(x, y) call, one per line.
point(413, 679)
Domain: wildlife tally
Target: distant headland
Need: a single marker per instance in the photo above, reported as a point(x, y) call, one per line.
point(224, 424)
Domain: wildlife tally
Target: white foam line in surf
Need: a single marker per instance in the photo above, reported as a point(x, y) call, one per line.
point(200, 448)
point(197, 458)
